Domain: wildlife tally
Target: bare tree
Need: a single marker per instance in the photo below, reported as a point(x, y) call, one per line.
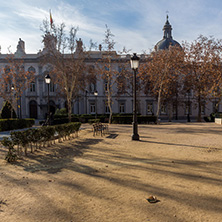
point(113, 70)
point(203, 68)
point(14, 81)
point(66, 55)
point(160, 72)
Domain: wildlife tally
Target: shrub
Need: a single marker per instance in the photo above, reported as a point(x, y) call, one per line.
point(212, 117)
point(207, 119)
point(11, 124)
point(42, 135)
point(61, 113)
point(11, 155)
point(218, 115)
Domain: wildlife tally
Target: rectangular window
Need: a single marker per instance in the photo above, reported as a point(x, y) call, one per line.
point(92, 108)
point(203, 109)
point(138, 107)
point(32, 87)
point(106, 86)
point(188, 109)
point(215, 106)
point(122, 107)
point(51, 87)
point(174, 109)
point(163, 109)
point(149, 109)
point(107, 109)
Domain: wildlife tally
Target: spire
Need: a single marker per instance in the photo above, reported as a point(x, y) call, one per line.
point(167, 29)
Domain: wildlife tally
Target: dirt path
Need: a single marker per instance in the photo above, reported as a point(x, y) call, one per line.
point(109, 178)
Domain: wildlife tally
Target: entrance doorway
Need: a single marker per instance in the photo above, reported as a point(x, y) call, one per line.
point(33, 109)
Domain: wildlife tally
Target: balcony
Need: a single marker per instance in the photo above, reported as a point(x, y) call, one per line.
point(31, 94)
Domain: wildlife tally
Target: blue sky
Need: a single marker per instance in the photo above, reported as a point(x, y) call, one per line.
point(136, 24)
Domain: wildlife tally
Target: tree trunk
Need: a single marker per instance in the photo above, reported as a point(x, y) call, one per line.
point(110, 115)
point(109, 95)
point(199, 109)
point(110, 107)
point(69, 110)
point(158, 103)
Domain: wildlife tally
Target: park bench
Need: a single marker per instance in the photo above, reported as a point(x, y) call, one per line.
point(100, 128)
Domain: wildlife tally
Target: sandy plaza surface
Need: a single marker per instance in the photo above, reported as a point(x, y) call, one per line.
point(110, 178)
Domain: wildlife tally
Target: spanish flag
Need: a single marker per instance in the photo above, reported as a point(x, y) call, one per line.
point(51, 21)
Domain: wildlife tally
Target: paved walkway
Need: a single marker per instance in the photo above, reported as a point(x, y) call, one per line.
point(84, 126)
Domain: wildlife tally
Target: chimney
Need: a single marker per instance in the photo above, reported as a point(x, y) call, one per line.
point(100, 47)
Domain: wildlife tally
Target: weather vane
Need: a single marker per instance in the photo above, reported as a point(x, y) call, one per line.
point(167, 12)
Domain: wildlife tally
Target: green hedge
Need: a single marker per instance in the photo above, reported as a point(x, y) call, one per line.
point(218, 115)
point(128, 119)
point(147, 119)
point(122, 119)
point(86, 118)
point(57, 121)
point(12, 124)
point(83, 118)
point(62, 116)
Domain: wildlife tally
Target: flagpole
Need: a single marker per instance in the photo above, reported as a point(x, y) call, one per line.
point(51, 20)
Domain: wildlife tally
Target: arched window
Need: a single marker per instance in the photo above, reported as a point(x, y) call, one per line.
point(31, 69)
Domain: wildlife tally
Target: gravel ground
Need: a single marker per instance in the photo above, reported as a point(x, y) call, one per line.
point(110, 178)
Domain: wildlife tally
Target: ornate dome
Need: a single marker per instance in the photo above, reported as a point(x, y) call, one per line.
point(167, 38)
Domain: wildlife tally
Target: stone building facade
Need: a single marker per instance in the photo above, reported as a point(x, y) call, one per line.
point(34, 101)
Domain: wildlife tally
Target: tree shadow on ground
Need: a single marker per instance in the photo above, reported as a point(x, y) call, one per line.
point(127, 178)
point(164, 167)
point(177, 144)
point(184, 129)
point(58, 157)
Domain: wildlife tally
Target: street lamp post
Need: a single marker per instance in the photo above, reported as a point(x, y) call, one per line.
point(134, 65)
point(86, 92)
point(12, 89)
point(96, 94)
point(188, 113)
point(47, 81)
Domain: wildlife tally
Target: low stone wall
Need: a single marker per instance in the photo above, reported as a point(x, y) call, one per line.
point(218, 120)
